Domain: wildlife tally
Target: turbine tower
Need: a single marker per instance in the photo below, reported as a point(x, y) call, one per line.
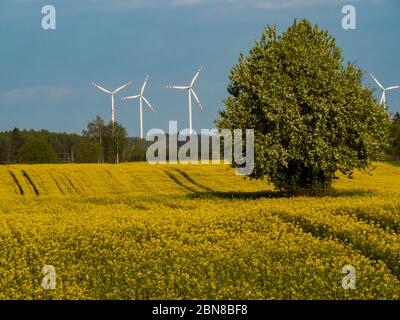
point(141, 98)
point(383, 99)
point(191, 93)
point(112, 93)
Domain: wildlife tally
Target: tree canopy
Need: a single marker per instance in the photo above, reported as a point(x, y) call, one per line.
point(37, 150)
point(311, 114)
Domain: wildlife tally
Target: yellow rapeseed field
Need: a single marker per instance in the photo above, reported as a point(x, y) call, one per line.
point(137, 231)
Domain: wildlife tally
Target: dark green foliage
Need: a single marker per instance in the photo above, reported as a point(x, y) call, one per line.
point(114, 142)
point(37, 150)
point(394, 151)
point(103, 143)
point(5, 148)
point(311, 115)
point(89, 151)
point(16, 142)
point(91, 148)
point(136, 149)
point(396, 118)
point(64, 144)
point(98, 143)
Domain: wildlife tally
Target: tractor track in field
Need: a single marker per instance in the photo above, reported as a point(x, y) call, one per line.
point(70, 183)
point(182, 179)
point(391, 223)
point(30, 182)
point(17, 183)
point(326, 232)
point(57, 183)
point(175, 179)
point(192, 181)
point(117, 182)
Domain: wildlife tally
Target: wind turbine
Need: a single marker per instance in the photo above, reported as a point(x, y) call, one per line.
point(383, 99)
point(191, 92)
point(141, 98)
point(112, 93)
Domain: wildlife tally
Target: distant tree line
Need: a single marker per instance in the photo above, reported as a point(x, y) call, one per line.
point(98, 143)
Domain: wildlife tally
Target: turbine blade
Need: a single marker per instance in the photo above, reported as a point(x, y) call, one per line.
point(383, 99)
point(178, 87)
point(101, 88)
point(377, 82)
point(148, 103)
point(197, 99)
point(130, 98)
point(122, 87)
point(144, 85)
point(392, 88)
point(195, 77)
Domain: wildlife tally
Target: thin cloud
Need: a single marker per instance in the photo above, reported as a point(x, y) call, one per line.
point(187, 2)
point(287, 4)
point(44, 92)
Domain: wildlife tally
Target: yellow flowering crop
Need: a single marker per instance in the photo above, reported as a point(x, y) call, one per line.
point(140, 231)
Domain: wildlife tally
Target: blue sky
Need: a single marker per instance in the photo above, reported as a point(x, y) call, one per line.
point(45, 76)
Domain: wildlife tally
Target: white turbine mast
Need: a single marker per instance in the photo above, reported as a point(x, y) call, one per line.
point(380, 85)
point(112, 93)
point(191, 92)
point(141, 98)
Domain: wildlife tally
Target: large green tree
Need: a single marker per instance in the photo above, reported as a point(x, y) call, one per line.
point(311, 114)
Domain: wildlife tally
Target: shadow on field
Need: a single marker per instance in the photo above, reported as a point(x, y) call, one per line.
point(198, 190)
point(278, 194)
point(395, 163)
point(241, 195)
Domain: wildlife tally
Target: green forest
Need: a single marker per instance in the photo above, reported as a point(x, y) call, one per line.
point(99, 143)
